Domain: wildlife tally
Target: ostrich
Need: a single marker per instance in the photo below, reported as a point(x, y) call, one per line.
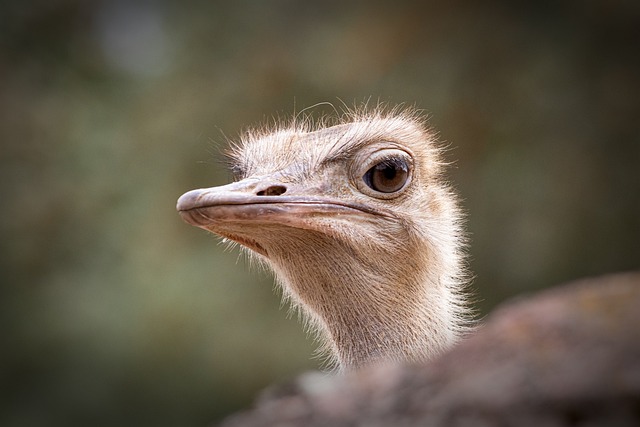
point(358, 226)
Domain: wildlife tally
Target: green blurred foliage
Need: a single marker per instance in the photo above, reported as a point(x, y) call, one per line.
point(115, 312)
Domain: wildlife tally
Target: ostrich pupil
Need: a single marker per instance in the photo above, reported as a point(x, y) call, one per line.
point(387, 176)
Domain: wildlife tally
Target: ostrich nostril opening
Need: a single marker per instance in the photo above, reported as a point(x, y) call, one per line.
point(274, 190)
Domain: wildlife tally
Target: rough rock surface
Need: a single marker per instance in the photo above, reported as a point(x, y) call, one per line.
point(569, 356)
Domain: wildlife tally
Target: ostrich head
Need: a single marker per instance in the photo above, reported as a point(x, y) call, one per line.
point(359, 227)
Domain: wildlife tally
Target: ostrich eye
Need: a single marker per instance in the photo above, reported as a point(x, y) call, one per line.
point(387, 176)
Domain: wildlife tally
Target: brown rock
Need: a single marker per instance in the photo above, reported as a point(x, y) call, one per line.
point(569, 356)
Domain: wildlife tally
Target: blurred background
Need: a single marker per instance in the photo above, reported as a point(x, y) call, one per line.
point(114, 312)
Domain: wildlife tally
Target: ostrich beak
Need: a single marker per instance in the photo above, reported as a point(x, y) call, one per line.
point(251, 200)
point(228, 210)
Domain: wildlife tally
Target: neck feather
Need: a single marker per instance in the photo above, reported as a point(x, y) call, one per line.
point(371, 312)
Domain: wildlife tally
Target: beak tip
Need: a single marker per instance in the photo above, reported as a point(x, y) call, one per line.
point(188, 200)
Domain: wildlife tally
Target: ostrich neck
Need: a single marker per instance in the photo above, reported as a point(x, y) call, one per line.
point(369, 317)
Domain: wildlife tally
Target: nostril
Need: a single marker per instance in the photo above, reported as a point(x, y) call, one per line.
point(273, 190)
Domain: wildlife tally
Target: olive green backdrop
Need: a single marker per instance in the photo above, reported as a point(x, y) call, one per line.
point(116, 313)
